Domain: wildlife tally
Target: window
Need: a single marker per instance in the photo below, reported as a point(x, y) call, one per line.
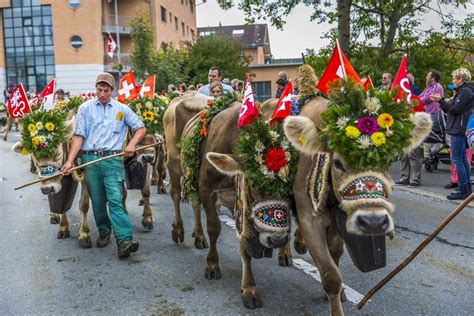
point(238, 32)
point(262, 90)
point(191, 6)
point(183, 28)
point(176, 23)
point(74, 4)
point(187, 30)
point(182, 1)
point(171, 19)
point(163, 14)
point(76, 42)
point(192, 35)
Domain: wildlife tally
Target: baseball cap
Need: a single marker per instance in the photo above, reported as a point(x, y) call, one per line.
point(107, 78)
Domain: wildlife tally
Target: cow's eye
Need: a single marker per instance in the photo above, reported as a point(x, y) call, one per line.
point(338, 165)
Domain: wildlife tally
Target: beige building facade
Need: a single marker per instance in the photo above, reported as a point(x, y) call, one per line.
point(66, 39)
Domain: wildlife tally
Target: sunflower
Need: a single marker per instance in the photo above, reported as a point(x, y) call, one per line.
point(32, 128)
point(35, 141)
point(148, 116)
point(352, 132)
point(49, 126)
point(378, 139)
point(385, 120)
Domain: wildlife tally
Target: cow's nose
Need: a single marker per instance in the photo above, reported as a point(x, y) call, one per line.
point(373, 224)
point(47, 190)
point(277, 241)
point(147, 159)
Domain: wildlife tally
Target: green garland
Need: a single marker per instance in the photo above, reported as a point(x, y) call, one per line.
point(268, 158)
point(173, 94)
point(191, 146)
point(71, 105)
point(368, 129)
point(150, 112)
point(43, 132)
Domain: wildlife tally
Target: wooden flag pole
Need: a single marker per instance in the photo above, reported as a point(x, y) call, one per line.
point(423, 244)
point(82, 166)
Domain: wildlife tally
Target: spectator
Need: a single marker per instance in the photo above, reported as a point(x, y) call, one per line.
point(386, 81)
point(240, 86)
point(7, 92)
point(171, 88)
point(281, 82)
point(217, 89)
point(191, 87)
point(458, 111)
point(413, 87)
point(227, 82)
point(214, 74)
point(234, 83)
point(60, 95)
point(199, 86)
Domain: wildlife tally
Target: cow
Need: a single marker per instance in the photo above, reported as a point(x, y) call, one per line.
point(317, 208)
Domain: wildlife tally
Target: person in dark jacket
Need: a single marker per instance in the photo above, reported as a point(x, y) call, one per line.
point(458, 110)
point(281, 83)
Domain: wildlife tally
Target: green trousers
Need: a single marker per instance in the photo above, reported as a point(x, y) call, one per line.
point(105, 183)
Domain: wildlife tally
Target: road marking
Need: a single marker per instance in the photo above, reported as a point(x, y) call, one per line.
point(309, 269)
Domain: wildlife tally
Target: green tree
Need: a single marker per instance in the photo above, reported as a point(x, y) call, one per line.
point(215, 50)
point(169, 67)
point(142, 45)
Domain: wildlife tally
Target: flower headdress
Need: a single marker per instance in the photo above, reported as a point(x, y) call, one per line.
point(150, 112)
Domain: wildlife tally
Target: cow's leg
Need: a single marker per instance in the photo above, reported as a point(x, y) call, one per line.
point(314, 234)
point(285, 258)
point(84, 238)
point(7, 128)
point(63, 227)
point(147, 220)
point(248, 289)
point(213, 270)
point(299, 243)
point(177, 232)
point(336, 248)
point(200, 241)
point(161, 171)
point(54, 218)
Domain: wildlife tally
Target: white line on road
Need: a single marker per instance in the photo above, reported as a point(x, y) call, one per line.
point(309, 269)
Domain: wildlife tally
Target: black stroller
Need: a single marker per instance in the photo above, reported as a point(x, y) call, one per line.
point(438, 136)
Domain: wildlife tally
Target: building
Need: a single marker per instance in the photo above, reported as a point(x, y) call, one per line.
point(255, 43)
point(66, 39)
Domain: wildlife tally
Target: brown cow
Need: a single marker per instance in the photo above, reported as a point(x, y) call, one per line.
point(316, 207)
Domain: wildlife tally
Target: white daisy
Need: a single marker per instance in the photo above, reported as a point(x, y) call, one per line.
point(364, 141)
point(342, 122)
point(372, 105)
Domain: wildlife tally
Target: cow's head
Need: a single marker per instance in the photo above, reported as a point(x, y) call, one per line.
point(148, 155)
point(268, 218)
point(50, 165)
point(362, 192)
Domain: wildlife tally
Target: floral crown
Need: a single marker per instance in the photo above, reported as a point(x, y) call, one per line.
point(150, 112)
point(368, 129)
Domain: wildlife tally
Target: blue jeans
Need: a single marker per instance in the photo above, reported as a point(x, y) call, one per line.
point(458, 156)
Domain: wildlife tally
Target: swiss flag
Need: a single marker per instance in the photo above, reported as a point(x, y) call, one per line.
point(35, 101)
point(248, 110)
point(402, 83)
point(148, 88)
point(338, 68)
point(111, 46)
point(18, 104)
point(127, 88)
point(367, 83)
point(84, 96)
point(48, 95)
point(283, 108)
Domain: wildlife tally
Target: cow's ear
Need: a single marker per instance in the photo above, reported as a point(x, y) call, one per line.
point(423, 124)
point(303, 135)
point(18, 147)
point(226, 164)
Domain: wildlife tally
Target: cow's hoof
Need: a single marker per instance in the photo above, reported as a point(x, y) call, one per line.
point(140, 203)
point(213, 273)
point(161, 190)
point(147, 224)
point(300, 246)
point(343, 296)
point(177, 233)
point(154, 182)
point(85, 242)
point(54, 218)
point(200, 242)
point(63, 234)
point(5, 138)
point(285, 261)
point(251, 299)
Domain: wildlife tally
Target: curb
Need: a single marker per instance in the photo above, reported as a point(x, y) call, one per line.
point(431, 195)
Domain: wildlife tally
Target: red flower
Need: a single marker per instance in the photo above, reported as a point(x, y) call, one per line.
point(275, 159)
point(202, 115)
point(210, 103)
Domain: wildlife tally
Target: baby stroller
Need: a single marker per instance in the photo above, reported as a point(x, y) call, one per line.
point(437, 136)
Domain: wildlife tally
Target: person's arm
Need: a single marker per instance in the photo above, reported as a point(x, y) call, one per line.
point(137, 137)
point(139, 131)
point(461, 101)
point(73, 151)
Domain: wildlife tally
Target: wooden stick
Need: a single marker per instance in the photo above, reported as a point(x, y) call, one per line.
point(425, 242)
point(82, 166)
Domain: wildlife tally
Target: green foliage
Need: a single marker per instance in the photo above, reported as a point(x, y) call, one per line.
point(150, 112)
point(255, 141)
point(215, 50)
point(191, 146)
point(169, 67)
point(43, 132)
point(142, 45)
point(173, 94)
point(344, 133)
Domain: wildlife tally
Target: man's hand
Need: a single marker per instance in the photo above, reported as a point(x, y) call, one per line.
point(435, 97)
point(129, 150)
point(65, 168)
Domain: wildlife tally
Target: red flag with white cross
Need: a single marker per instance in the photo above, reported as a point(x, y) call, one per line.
point(248, 111)
point(18, 104)
point(127, 88)
point(283, 108)
point(48, 95)
point(148, 88)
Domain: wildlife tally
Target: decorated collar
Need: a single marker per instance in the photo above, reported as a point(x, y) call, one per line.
point(366, 187)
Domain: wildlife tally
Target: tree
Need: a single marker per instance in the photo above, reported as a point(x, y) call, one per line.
point(215, 50)
point(169, 67)
point(142, 45)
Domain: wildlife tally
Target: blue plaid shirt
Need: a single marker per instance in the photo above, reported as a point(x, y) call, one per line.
point(104, 128)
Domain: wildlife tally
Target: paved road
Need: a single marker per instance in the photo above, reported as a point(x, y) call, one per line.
point(42, 275)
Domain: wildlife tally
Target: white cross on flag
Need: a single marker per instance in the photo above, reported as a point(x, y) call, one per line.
point(18, 104)
point(127, 88)
point(111, 46)
point(283, 108)
point(148, 88)
point(48, 95)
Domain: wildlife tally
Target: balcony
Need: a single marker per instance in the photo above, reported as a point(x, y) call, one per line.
point(108, 24)
point(110, 62)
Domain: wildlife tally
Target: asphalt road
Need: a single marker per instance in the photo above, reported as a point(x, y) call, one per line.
point(42, 275)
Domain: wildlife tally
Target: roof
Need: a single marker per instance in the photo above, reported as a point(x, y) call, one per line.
point(249, 36)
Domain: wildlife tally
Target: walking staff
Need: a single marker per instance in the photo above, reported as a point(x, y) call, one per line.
point(101, 126)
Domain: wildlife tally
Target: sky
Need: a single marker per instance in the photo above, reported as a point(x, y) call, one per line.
point(299, 32)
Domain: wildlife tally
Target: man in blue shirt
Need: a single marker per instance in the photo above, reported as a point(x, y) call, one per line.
point(101, 126)
point(214, 75)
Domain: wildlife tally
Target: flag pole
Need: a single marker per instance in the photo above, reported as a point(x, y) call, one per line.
point(119, 52)
point(340, 59)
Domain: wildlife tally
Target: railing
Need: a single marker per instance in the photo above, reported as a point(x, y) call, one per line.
point(108, 23)
point(110, 63)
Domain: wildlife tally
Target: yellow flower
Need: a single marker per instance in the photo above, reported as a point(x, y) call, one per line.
point(32, 128)
point(35, 141)
point(378, 139)
point(352, 132)
point(148, 116)
point(385, 120)
point(24, 151)
point(49, 126)
point(39, 126)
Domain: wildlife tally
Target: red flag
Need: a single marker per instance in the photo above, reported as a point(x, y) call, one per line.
point(338, 68)
point(367, 83)
point(84, 96)
point(283, 108)
point(248, 110)
point(127, 88)
point(18, 104)
point(162, 93)
point(148, 88)
point(48, 96)
point(111, 46)
point(402, 83)
point(35, 101)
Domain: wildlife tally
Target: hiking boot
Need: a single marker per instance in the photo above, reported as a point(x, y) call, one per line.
point(459, 195)
point(103, 240)
point(125, 248)
point(451, 185)
point(405, 182)
point(413, 185)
